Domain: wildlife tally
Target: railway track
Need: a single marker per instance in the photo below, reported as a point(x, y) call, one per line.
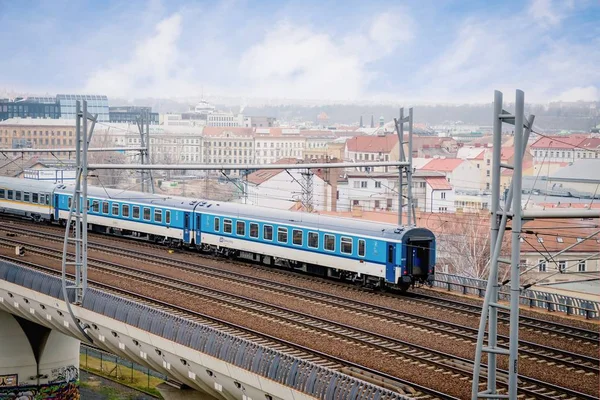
point(528, 350)
point(293, 349)
point(419, 356)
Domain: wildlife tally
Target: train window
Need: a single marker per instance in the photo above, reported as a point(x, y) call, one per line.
point(390, 253)
point(361, 247)
point(329, 243)
point(227, 227)
point(125, 210)
point(146, 213)
point(313, 240)
point(34, 198)
point(18, 195)
point(115, 209)
point(297, 237)
point(253, 230)
point(267, 232)
point(157, 215)
point(105, 207)
point(96, 206)
point(168, 217)
point(26, 196)
point(346, 245)
point(10, 195)
point(217, 224)
point(47, 199)
point(69, 202)
point(136, 212)
point(2, 193)
point(240, 228)
point(282, 235)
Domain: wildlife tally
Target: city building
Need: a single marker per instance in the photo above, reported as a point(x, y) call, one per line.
point(565, 148)
point(29, 107)
point(463, 175)
point(97, 105)
point(259, 122)
point(38, 133)
point(281, 189)
point(224, 119)
point(131, 114)
point(272, 148)
point(372, 148)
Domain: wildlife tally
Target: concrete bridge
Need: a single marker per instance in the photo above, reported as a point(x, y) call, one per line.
point(39, 349)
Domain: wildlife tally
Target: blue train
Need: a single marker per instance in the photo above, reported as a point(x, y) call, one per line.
point(368, 253)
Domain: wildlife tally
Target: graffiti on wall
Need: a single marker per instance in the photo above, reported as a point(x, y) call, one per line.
point(63, 385)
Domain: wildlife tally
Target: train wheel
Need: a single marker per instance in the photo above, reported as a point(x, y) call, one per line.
point(404, 287)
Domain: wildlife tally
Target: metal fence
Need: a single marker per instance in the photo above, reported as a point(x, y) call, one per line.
point(532, 298)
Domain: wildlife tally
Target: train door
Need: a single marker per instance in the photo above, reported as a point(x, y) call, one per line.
point(197, 228)
point(390, 263)
point(186, 227)
point(55, 204)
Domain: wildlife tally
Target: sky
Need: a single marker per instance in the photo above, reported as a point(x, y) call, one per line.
point(434, 51)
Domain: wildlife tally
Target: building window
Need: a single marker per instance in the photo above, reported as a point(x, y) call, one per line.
point(329, 242)
point(267, 232)
point(377, 184)
point(443, 209)
point(356, 184)
point(125, 210)
point(297, 237)
point(282, 235)
point(253, 230)
point(346, 245)
point(389, 203)
point(443, 195)
point(361, 247)
point(376, 204)
point(355, 202)
point(240, 228)
point(313, 240)
point(227, 226)
point(562, 266)
point(542, 265)
point(157, 215)
point(363, 184)
point(581, 266)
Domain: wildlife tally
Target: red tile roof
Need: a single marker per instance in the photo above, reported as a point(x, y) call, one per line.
point(442, 164)
point(438, 183)
point(263, 175)
point(372, 144)
point(480, 156)
point(559, 142)
point(590, 143)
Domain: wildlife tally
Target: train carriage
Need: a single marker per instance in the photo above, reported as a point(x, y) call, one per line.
point(26, 198)
point(129, 213)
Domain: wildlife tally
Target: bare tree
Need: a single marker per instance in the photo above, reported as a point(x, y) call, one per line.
point(107, 177)
point(464, 246)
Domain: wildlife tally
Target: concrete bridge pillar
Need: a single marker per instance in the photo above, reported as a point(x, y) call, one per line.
point(36, 361)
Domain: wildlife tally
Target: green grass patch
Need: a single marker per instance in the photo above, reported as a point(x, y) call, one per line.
point(123, 375)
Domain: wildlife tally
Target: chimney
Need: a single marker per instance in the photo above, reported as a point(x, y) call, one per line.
point(372, 121)
point(361, 122)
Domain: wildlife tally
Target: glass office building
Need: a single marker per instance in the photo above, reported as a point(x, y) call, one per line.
point(130, 114)
point(97, 104)
point(30, 107)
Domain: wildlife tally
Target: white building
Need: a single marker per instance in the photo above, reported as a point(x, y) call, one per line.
point(463, 175)
point(272, 148)
point(283, 190)
point(224, 119)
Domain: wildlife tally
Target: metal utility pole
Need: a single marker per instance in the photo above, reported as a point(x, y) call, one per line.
point(498, 220)
point(399, 123)
point(77, 219)
point(307, 192)
point(143, 123)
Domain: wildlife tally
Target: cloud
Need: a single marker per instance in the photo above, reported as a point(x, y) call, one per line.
point(588, 93)
point(545, 12)
point(298, 62)
point(155, 67)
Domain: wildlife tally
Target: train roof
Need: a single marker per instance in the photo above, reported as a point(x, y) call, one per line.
point(27, 185)
point(157, 199)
